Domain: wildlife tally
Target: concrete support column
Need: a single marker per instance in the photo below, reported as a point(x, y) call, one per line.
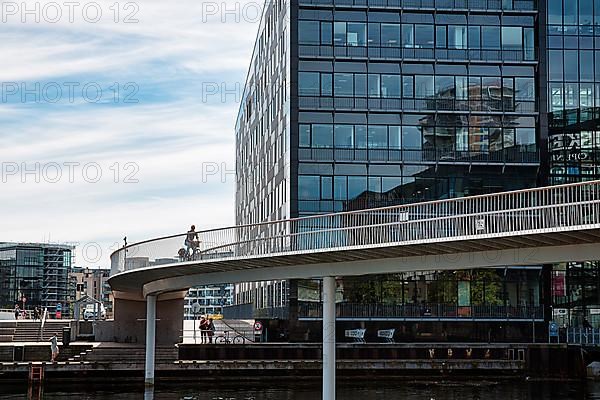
point(328, 338)
point(150, 338)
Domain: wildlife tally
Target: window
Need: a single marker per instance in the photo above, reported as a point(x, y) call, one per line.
point(308, 187)
point(512, 38)
point(360, 136)
point(308, 83)
point(390, 35)
point(462, 88)
point(394, 134)
point(440, 37)
point(525, 89)
point(377, 136)
point(344, 84)
point(374, 85)
point(457, 37)
point(326, 188)
point(390, 86)
point(478, 139)
point(357, 34)
point(408, 87)
point(444, 86)
point(411, 138)
point(424, 36)
point(344, 136)
point(304, 135)
point(490, 38)
point(525, 139)
point(374, 38)
point(474, 37)
point(326, 36)
point(340, 188)
point(357, 185)
point(408, 36)
point(326, 85)
point(423, 86)
point(360, 85)
point(462, 139)
point(339, 33)
point(322, 135)
point(308, 32)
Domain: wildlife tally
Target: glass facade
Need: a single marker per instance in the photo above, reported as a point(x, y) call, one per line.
point(397, 101)
point(573, 71)
point(38, 273)
point(403, 105)
point(573, 59)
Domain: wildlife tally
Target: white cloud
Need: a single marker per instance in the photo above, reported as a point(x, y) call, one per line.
point(168, 136)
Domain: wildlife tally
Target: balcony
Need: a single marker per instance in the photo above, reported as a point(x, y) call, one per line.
point(478, 5)
point(514, 155)
point(351, 311)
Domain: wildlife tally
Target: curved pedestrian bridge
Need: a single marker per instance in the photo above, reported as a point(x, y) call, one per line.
point(534, 226)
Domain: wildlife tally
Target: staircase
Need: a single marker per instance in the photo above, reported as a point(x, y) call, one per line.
point(7, 331)
point(29, 331)
point(126, 354)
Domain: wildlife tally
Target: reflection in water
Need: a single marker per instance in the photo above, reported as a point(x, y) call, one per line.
point(453, 390)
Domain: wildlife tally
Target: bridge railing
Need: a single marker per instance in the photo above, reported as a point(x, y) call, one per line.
point(587, 336)
point(547, 209)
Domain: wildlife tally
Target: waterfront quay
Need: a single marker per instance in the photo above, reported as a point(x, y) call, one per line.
point(189, 362)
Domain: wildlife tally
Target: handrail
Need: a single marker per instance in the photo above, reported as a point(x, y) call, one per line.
point(564, 207)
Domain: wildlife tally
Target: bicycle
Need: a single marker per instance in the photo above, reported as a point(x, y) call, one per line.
point(225, 339)
point(192, 254)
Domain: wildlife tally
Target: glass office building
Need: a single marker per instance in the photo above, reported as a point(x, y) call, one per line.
point(37, 273)
point(353, 104)
point(572, 40)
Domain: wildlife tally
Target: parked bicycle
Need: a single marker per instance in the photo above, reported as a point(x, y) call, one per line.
point(227, 339)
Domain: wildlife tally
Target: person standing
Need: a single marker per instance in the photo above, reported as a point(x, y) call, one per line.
point(54, 347)
point(17, 311)
point(211, 329)
point(204, 329)
point(36, 314)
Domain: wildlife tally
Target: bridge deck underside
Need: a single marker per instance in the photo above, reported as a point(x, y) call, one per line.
point(237, 269)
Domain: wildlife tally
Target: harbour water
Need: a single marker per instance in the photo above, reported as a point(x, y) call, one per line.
point(401, 390)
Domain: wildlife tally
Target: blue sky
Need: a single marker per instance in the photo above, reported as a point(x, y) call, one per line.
point(151, 123)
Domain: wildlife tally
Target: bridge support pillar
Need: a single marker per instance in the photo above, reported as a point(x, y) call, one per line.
point(150, 339)
point(329, 338)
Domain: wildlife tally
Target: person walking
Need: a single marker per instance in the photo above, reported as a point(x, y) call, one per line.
point(211, 329)
point(54, 347)
point(17, 311)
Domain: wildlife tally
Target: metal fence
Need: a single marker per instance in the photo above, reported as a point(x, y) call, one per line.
point(423, 311)
point(587, 336)
point(541, 210)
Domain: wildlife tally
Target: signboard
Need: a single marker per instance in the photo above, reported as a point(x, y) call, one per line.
point(560, 312)
point(258, 327)
point(464, 293)
point(355, 333)
point(594, 311)
point(553, 329)
point(480, 225)
point(386, 333)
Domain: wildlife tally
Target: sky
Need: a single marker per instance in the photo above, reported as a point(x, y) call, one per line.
point(117, 119)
